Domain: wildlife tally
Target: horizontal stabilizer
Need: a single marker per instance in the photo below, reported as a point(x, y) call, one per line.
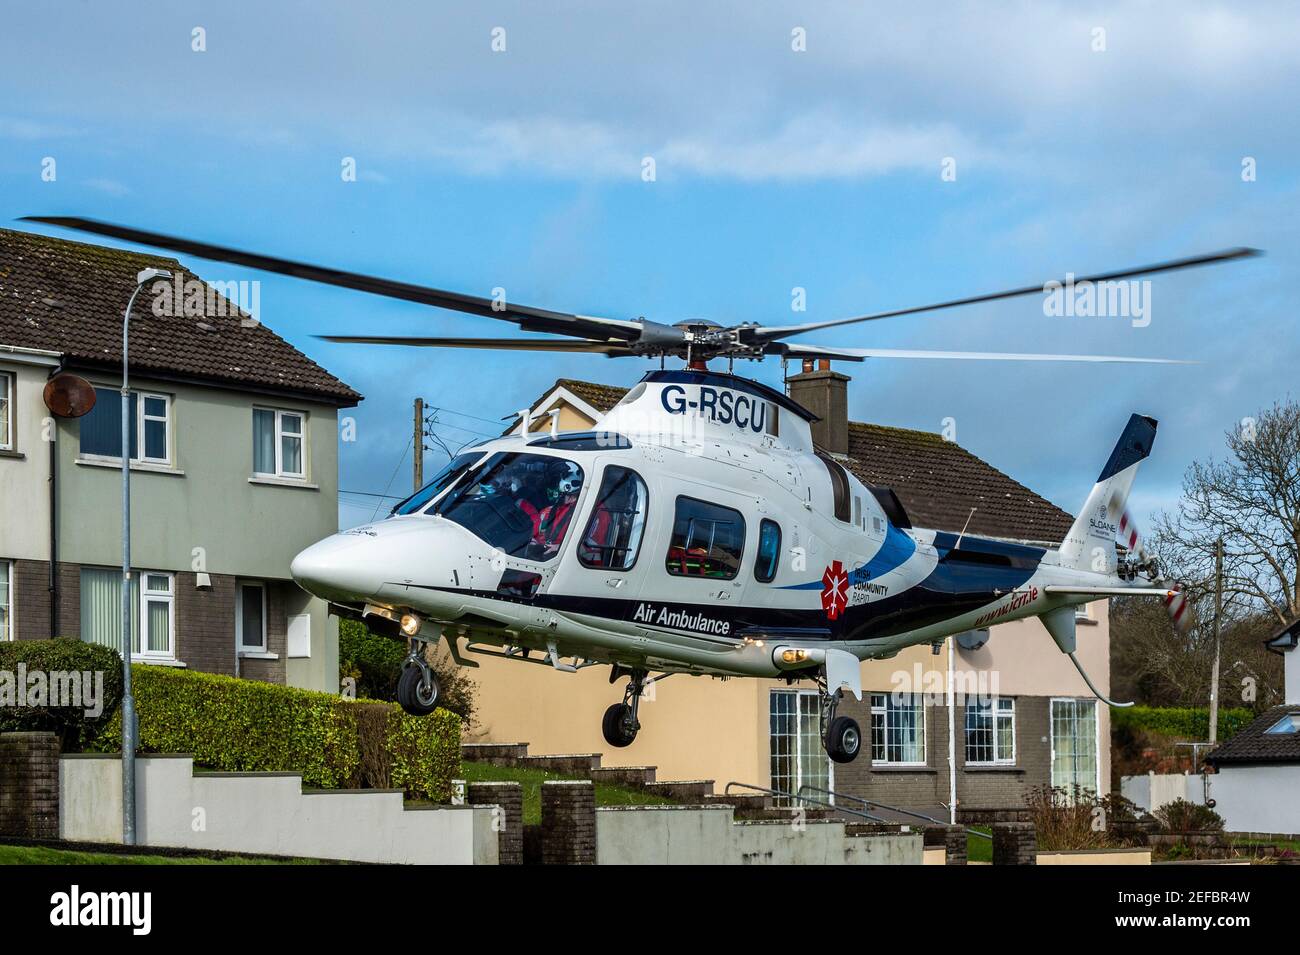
point(1109, 591)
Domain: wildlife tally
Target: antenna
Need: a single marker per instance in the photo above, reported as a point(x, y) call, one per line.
point(963, 529)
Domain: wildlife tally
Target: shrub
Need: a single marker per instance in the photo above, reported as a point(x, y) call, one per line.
point(246, 726)
point(63, 656)
point(1183, 816)
point(1066, 819)
point(375, 661)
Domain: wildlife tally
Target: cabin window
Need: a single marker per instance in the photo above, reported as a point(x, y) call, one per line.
point(444, 479)
point(839, 489)
point(613, 535)
point(521, 504)
point(707, 540)
point(769, 551)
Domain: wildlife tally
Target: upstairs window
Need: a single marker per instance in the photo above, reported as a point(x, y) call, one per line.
point(707, 540)
point(613, 535)
point(149, 432)
point(769, 551)
point(6, 411)
point(278, 438)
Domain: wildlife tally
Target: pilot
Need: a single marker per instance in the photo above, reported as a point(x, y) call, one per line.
point(553, 521)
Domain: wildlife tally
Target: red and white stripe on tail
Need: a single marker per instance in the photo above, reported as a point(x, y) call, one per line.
point(1176, 601)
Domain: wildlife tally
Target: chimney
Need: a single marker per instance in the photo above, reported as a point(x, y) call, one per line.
point(826, 394)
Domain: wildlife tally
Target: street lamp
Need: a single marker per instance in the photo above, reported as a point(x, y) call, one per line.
point(128, 701)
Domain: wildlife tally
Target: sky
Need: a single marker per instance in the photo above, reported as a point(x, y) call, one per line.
point(793, 146)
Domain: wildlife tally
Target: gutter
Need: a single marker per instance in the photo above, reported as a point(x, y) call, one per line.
point(33, 356)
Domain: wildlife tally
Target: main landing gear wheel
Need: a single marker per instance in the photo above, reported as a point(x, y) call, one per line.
point(417, 686)
point(620, 723)
point(843, 739)
point(841, 736)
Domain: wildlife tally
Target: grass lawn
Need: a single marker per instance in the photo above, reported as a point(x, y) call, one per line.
point(532, 779)
point(977, 849)
point(40, 855)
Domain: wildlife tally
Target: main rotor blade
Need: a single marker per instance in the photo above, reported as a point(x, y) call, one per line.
point(505, 344)
point(761, 334)
point(795, 350)
point(526, 317)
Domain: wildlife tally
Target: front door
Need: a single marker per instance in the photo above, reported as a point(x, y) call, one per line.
point(1074, 745)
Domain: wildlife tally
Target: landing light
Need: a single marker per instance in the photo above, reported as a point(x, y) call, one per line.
point(410, 624)
point(794, 656)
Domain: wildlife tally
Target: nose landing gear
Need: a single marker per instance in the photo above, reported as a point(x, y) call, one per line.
point(620, 723)
point(417, 687)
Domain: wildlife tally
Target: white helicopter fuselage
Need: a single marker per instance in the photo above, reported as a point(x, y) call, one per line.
point(707, 536)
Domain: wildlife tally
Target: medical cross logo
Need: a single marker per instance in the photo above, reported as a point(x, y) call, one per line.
point(835, 590)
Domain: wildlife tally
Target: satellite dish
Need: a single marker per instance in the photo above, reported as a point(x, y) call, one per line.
point(69, 396)
point(973, 639)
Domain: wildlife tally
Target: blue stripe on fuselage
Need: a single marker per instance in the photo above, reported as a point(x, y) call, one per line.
point(897, 549)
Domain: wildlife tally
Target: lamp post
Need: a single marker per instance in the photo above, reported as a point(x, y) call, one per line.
point(128, 701)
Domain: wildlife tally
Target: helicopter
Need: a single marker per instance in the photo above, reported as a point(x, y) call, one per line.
point(699, 529)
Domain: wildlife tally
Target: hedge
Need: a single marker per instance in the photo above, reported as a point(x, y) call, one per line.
point(247, 726)
point(55, 661)
point(1187, 722)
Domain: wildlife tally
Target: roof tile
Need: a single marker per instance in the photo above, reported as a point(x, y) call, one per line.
point(68, 297)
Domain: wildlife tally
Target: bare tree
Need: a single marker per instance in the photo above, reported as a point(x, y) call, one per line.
point(1251, 499)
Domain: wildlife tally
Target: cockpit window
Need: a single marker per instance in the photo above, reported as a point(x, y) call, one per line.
point(444, 479)
point(521, 504)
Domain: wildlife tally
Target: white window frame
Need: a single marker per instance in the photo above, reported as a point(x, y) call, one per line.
point(800, 754)
point(998, 714)
point(882, 712)
point(148, 596)
point(301, 434)
point(140, 418)
point(7, 575)
point(8, 386)
point(239, 618)
point(1051, 738)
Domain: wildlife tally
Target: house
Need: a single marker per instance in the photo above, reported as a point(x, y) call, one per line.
point(1257, 771)
point(234, 468)
point(1031, 722)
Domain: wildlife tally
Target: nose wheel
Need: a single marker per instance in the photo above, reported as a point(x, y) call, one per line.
point(620, 724)
point(417, 686)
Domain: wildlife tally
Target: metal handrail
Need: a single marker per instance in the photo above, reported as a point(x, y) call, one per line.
point(880, 805)
point(726, 791)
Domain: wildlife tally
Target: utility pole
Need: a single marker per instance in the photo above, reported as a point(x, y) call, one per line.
point(418, 446)
point(1218, 615)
